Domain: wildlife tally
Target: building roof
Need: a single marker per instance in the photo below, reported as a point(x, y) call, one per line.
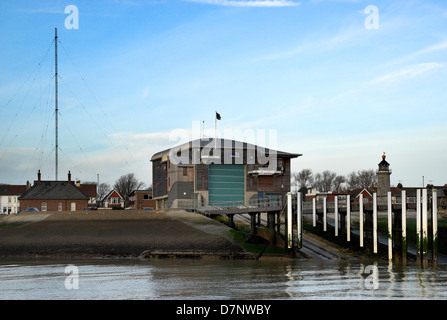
point(109, 194)
point(11, 190)
point(88, 189)
point(53, 190)
point(222, 144)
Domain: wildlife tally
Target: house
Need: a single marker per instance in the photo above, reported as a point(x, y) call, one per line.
point(355, 195)
point(9, 198)
point(218, 172)
point(90, 190)
point(141, 199)
point(113, 200)
point(53, 196)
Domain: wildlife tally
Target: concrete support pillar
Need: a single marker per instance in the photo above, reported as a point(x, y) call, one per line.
point(404, 226)
point(299, 219)
point(418, 225)
point(253, 224)
point(230, 220)
point(390, 227)
point(348, 218)
point(374, 223)
point(336, 215)
point(361, 219)
point(435, 225)
point(324, 213)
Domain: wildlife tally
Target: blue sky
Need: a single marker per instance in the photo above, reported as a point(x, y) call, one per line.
point(311, 71)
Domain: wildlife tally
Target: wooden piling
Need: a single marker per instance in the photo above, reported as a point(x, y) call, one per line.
point(375, 222)
point(299, 219)
point(404, 227)
point(435, 225)
point(289, 221)
point(361, 219)
point(390, 227)
point(324, 213)
point(418, 225)
point(336, 215)
point(424, 225)
point(348, 218)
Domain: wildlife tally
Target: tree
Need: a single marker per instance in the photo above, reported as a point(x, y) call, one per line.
point(337, 183)
point(126, 184)
point(303, 179)
point(324, 181)
point(362, 179)
point(103, 189)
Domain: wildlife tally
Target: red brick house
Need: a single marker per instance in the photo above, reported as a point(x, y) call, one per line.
point(113, 199)
point(53, 196)
point(141, 199)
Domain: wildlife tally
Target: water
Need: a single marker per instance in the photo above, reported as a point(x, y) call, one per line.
point(219, 280)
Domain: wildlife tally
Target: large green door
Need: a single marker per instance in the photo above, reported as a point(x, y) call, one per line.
point(226, 183)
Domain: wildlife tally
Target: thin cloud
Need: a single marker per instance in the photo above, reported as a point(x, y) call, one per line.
point(409, 73)
point(255, 3)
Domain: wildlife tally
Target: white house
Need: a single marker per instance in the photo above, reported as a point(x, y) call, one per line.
point(9, 194)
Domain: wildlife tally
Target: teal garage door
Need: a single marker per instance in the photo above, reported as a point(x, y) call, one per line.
point(226, 183)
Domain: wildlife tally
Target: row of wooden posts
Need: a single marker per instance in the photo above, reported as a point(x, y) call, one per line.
point(400, 215)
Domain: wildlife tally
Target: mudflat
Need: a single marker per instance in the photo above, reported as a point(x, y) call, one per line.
point(127, 233)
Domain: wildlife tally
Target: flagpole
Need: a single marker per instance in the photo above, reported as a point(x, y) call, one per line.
point(215, 133)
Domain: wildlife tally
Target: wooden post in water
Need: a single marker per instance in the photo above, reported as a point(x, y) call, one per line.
point(361, 219)
point(424, 225)
point(418, 225)
point(375, 222)
point(348, 217)
point(289, 221)
point(404, 226)
point(390, 227)
point(336, 215)
point(299, 219)
point(435, 225)
point(324, 213)
point(314, 212)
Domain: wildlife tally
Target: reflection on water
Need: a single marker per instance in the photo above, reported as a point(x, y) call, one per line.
point(223, 280)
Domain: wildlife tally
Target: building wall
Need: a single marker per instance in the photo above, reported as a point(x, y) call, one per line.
point(159, 178)
point(53, 205)
point(9, 204)
point(137, 201)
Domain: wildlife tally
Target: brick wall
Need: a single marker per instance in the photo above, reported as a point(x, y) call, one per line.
point(52, 205)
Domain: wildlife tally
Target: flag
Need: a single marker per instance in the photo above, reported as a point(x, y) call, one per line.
point(217, 116)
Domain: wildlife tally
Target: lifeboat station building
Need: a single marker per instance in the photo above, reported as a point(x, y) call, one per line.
point(219, 172)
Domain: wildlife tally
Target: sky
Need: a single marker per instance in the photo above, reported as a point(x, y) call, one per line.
point(338, 81)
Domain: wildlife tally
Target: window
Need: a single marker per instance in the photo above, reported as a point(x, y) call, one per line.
point(147, 197)
point(73, 206)
point(115, 200)
point(43, 206)
point(202, 182)
point(185, 171)
point(251, 183)
point(59, 206)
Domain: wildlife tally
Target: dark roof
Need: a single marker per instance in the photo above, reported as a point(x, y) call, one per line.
point(88, 189)
point(53, 190)
point(222, 143)
point(11, 190)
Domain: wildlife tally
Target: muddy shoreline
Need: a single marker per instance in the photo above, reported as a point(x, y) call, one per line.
point(125, 234)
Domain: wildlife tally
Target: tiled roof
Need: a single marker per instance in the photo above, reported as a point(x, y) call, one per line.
point(11, 190)
point(53, 190)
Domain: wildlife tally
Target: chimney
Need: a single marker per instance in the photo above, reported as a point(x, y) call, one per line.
point(69, 177)
point(38, 176)
point(28, 185)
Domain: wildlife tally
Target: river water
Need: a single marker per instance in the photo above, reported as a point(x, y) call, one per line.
point(162, 279)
